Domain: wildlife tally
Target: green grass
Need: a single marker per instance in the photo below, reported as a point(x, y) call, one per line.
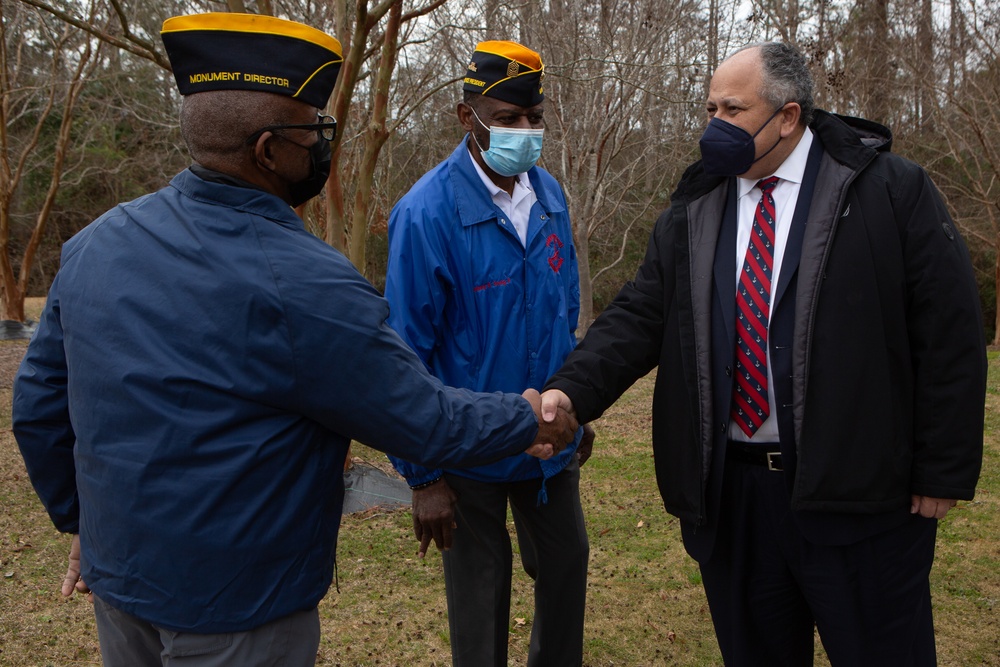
point(645, 604)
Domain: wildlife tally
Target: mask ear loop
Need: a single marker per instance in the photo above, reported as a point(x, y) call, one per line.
point(485, 126)
point(776, 112)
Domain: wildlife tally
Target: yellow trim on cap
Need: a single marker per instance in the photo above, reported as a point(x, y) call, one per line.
point(253, 23)
point(512, 51)
point(313, 75)
point(497, 83)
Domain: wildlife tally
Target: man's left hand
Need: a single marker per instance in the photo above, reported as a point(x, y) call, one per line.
point(931, 508)
point(73, 582)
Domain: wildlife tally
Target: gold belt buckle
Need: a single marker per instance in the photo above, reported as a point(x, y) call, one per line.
point(774, 462)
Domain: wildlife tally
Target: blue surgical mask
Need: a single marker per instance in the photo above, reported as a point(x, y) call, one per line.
point(512, 150)
point(729, 150)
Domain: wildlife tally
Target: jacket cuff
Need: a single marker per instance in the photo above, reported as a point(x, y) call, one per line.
point(424, 480)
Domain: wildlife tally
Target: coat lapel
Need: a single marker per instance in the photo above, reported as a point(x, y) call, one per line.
point(793, 245)
point(725, 262)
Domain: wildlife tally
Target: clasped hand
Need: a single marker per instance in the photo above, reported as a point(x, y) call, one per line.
point(554, 433)
point(434, 504)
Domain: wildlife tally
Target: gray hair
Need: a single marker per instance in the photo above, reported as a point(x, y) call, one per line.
point(216, 124)
point(786, 77)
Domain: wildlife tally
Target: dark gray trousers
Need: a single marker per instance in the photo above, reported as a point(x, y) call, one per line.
point(554, 552)
point(127, 641)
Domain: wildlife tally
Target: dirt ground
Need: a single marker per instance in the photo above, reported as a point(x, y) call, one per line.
point(11, 352)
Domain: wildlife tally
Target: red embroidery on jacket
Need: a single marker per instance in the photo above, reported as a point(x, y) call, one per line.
point(494, 283)
point(555, 261)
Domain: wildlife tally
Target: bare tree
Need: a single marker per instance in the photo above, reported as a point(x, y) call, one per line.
point(926, 83)
point(369, 31)
point(625, 79)
point(620, 83)
point(30, 96)
point(870, 60)
point(118, 32)
point(970, 175)
point(372, 39)
point(967, 164)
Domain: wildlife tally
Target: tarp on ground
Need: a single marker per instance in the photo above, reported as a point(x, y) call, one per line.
point(367, 487)
point(14, 330)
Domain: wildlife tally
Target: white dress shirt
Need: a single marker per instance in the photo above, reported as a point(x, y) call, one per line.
point(516, 207)
point(785, 194)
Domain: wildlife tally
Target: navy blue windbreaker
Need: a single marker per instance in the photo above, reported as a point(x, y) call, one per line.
point(188, 398)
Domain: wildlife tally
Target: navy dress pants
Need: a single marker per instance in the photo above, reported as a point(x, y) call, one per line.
point(768, 587)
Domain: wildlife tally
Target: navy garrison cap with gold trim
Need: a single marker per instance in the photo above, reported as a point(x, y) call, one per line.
point(506, 71)
point(228, 51)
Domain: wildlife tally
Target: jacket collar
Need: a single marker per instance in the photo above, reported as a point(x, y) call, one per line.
point(248, 200)
point(853, 142)
point(473, 200)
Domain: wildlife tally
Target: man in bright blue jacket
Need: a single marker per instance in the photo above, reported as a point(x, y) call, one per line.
point(202, 362)
point(482, 281)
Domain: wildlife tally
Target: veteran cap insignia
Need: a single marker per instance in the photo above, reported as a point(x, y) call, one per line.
point(507, 71)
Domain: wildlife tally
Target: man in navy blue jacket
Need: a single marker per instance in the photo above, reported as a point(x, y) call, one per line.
point(202, 363)
point(819, 398)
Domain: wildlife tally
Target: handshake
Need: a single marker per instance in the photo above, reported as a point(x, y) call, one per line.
point(557, 423)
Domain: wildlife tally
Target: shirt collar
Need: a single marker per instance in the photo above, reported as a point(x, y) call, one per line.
point(793, 169)
point(494, 189)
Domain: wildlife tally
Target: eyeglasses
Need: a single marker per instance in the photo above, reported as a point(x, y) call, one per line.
point(326, 128)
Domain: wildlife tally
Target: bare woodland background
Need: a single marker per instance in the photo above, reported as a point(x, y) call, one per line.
point(88, 109)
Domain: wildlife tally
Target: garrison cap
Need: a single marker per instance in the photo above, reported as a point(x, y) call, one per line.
point(229, 51)
point(506, 71)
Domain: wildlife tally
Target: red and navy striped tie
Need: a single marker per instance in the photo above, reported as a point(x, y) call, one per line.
point(753, 305)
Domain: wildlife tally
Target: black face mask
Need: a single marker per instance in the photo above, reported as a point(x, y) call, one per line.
point(320, 158)
point(729, 150)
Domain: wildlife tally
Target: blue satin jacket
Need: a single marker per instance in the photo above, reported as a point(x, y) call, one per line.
point(188, 398)
point(479, 308)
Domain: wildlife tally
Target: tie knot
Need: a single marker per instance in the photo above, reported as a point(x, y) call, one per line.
point(767, 184)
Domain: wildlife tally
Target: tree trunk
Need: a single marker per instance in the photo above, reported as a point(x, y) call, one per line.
point(879, 82)
point(11, 298)
point(586, 284)
point(996, 293)
point(353, 42)
point(12, 289)
point(712, 59)
point(491, 13)
point(374, 140)
point(927, 82)
point(61, 148)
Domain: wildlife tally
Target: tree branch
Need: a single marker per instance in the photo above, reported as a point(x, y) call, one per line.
point(133, 44)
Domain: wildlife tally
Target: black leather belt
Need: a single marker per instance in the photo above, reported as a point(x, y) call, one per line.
point(768, 455)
